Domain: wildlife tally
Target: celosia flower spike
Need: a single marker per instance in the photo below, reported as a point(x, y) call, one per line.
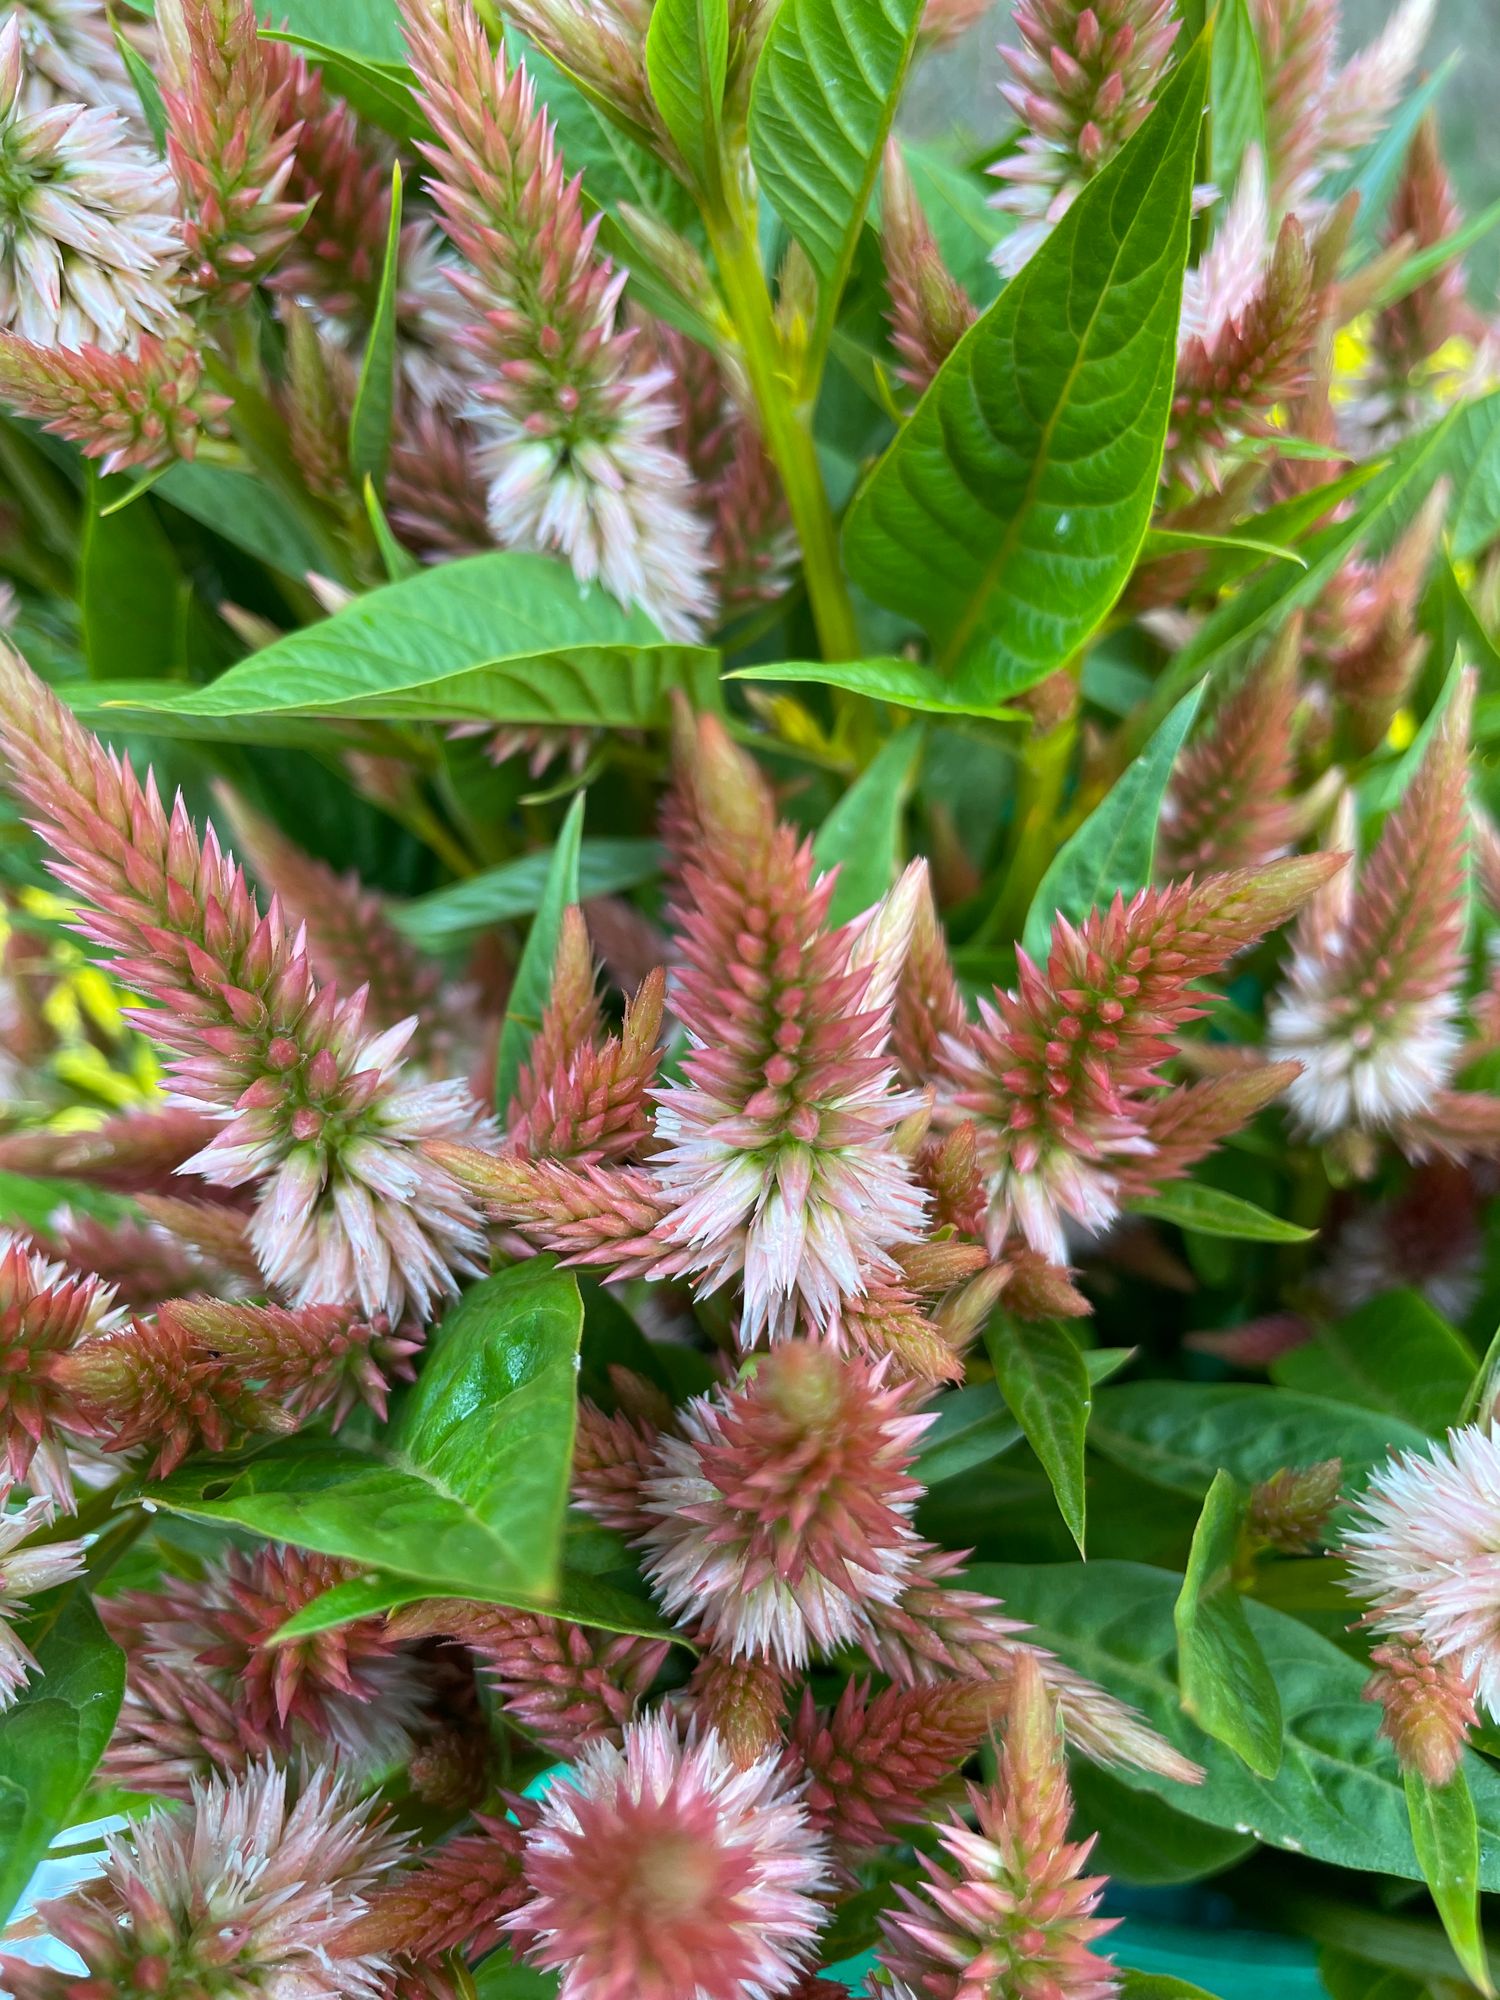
point(23, 1572)
point(1013, 1917)
point(71, 56)
point(1084, 78)
point(1426, 1707)
point(929, 311)
point(89, 241)
point(45, 1312)
point(662, 1870)
point(1370, 1000)
point(312, 1104)
point(131, 411)
point(571, 429)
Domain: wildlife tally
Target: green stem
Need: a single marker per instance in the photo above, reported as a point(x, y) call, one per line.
point(785, 423)
point(1045, 763)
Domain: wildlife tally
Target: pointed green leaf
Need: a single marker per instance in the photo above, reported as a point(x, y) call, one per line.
point(687, 60)
point(516, 889)
point(380, 91)
point(1209, 1211)
point(1113, 849)
point(821, 106)
point(1446, 1836)
point(466, 1495)
point(1226, 1685)
point(1009, 511)
point(375, 397)
point(975, 1424)
point(1044, 1379)
point(54, 1733)
point(902, 683)
point(244, 510)
point(583, 1599)
point(399, 562)
point(533, 981)
point(132, 596)
point(147, 89)
point(861, 837)
point(1237, 100)
point(1181, 541)
point(1396, 1355)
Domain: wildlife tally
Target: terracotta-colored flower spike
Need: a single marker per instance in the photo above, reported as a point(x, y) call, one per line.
point(929, 310)
point(1058, 1075)
point(456, 1899)
point(1012, 1912)
point(1230, 804)
point(1370, 1000)
point(1289, 1512)
point(312, 1104)
point(1083, 80)
point(45, 1312)
point(572, 435)
point(230, 143)
point(612, 1456)
point(1363, 629)
point(132, 412)
point(145, 1261)
point(1427, 1706)
point(134, 1152)
point(342, 178)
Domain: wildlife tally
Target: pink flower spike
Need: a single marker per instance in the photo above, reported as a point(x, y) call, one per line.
point(662, 1870)
point(45, 1312)
point(132, 412)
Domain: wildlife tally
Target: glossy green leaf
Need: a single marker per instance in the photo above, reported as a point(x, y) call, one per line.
point(132, 597)
point(31, 1200)
point(687, 60)
point(1161, 542)
point(1226, 1685)
point(821, 106)
point(505, 637)
point(974, 1424)
point(1396, 1355)
point(244, 510)
point(397, 561)
point(1009, 511)
point(532, 985)
point(499, 1977)
point(1338, 1794)
point(375, 396)
point(1146, 1841)
point(1237, 101)
point(1210, 1211)
point(516, 888)
point(585, 1600)
point(1446, 1837)
point(379, 91)
point(54, 1733)
point(1471, 459)
point(861, 837)
point(1113, 849)
point(1179, 1434)
point(467, 1492)
point(147, 89)
point(1042, 1375)
point(362, 29)
point(903, 683)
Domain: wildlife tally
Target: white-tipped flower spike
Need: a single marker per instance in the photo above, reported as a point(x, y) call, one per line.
point(1426, 1554)
point(1218, 289)
point(1371, 998)
point(245, 1894)
point(23, 1572)
point(662, 1871)
point(71, 55)
point(89, 238)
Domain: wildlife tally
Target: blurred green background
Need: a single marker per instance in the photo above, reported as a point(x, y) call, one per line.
point(955, 96)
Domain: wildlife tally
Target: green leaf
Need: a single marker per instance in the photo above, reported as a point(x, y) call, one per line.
point(1472, 462)
point(1114, 847)
point(583, 1599)
point(687, 62)
point(32, 1200)
point(1210, 1211)
point(398, 562)
point(1179, 1434)
point(1338, 1794)
point(956, 204)
point(861, 837)
point(1042, 1375)
point(355, 26)
point(1237, 101)
point(1158, 1986)
point(1426, 263)
point(499, 1977)
point(533, 981)
point(242, 509)
point(1182, 541)
point(903, 683)
point(516, 888)
point(1009, 511)
point(375, 397)
point(54, 1733)
point(132, 596)
point(1446, 1837)
point(146, 88)
point(821, 106)
point(379, 91)
point(467, 1493)
point(1395, 1355)
point(974, 1425)
point(505, 637)
point(1144, 1840)
point(1226, 1685)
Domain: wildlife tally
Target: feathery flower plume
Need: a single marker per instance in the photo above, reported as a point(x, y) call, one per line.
point(929, 310)
point(1220, 286)
point(1084, 78)
point(340, 180)
point(1369, 86)
point(354, 1693)
point(1426, 1552)
point(1229, 804)
point(24, 1571)
point(662, 1869)
point(70, 55)
point(782, 1514)
point(1427, 1707)
point(1013, 1915)
point(571, 429)
point(312, 1104)
point(612, 1456)
point(229, 143)
point(1363, 628)
point(564, 1684)
point(246, 1893)
point(1426, 1237)
point(130, 411)
point(945, 21)
point(1059, 1074)
point(45, 1312)
point(89, 241)
point(438, 501)
point(1372, 991)
point(456, 1900)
